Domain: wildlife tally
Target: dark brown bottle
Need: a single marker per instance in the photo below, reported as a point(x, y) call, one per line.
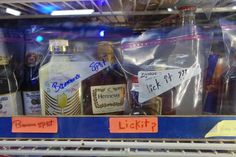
point(104, 92)
point(30, 87)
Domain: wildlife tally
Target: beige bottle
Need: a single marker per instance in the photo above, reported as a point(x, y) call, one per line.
point(60, 82)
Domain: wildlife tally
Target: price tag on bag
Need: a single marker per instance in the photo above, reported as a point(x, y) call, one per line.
point(133, 125)
point(34, 125)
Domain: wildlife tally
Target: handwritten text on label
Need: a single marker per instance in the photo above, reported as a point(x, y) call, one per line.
point(34, 125)
point(133, 125)
point(96, 65)
point(155, 83)
point(59, 86)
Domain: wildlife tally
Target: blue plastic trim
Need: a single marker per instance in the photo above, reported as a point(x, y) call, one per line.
point(98, 127)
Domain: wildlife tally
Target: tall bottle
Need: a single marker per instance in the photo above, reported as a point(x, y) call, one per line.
point(187, 95)
point(228, 86)
point(104, 92)
point(30, 87)
point(10, 102)
point(59, 82)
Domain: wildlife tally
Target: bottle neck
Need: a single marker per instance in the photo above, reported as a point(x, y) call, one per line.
point(187, 16)
point(108, 57)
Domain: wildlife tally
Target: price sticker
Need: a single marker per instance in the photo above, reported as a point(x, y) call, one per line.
point(133, 125)
point(34, 125)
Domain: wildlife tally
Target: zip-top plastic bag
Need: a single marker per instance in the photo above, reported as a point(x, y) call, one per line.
point(228, 82)
point(11, 73)
point(165, 71)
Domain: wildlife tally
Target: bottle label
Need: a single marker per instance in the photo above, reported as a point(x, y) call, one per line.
point(154, 83)
point(62, 95)
point(32, 103)
point(108, 98)
point(8, 104)
point(4, 60)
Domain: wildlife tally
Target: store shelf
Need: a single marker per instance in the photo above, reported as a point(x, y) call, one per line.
point(187, 127)
point(163, 148)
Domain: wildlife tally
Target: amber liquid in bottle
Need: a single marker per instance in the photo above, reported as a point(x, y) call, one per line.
point(104, 92)
point(160, 105)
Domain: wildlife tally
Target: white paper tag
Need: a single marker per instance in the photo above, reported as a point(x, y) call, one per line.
point(154, 83)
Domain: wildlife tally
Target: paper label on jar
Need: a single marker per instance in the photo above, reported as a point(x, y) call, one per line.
point(154, 83)
point(108, 98)
point(32, 103)
point(8, 104)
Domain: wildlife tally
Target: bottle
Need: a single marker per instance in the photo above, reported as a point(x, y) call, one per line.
point(10, 102)
point(59, 82)
point(228, 86)
point(104, 92)
point(30, 87)
point(185, 54)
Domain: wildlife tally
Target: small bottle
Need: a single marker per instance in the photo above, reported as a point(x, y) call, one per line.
point(105, 91)
point(228, 86)
point(10, 102)
point(59, 82)
point(30, 87)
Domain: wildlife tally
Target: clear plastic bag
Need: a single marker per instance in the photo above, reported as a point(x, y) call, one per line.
point(67, 74)
point(205, 5)
point(165, 71)
point(228, 82)
point(11, 58)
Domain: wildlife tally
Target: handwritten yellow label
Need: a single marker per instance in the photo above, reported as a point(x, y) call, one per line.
point(224, 128)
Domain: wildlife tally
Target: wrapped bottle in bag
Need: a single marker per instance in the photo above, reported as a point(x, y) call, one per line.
point(105, 91)
point(30, 87)
point(10, 102)
point(166, 70)
point(59, 82)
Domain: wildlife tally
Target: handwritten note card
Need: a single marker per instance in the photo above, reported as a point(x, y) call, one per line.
point(133, 125)
point(34, 125)
point(154, 83)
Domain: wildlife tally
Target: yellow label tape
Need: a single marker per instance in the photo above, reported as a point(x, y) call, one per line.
point(224, 128)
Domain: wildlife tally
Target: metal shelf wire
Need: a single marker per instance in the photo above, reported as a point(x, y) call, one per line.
point(163, 148)
point(115, 12)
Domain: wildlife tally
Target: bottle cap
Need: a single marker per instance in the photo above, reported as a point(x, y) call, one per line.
point(105, 51)
point(58, 44)
point(105, 47)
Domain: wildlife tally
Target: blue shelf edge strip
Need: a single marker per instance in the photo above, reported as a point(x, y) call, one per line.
point(98, 128)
